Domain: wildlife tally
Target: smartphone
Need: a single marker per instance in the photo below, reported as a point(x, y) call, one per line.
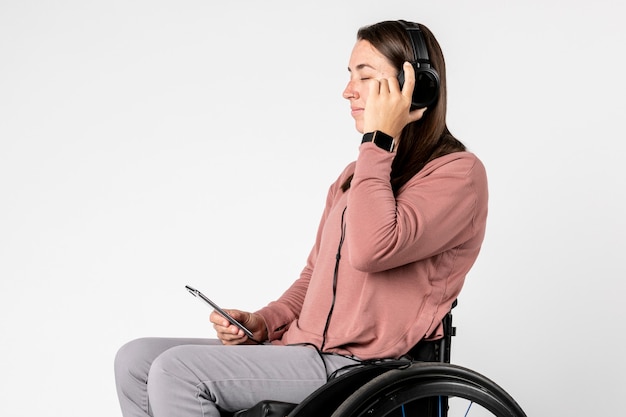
point(217, 308)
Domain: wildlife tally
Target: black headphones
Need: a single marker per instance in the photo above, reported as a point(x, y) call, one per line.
point(427, 82)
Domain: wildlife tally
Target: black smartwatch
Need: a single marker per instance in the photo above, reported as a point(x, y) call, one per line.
point(380, 139)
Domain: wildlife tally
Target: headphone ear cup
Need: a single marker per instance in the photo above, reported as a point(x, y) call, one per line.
point(426, 89)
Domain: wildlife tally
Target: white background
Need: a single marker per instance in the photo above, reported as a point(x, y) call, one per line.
point(145, 145)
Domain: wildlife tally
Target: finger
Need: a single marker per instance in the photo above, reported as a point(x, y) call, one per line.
point(384, 86)
point(218, 320)
point(394, 85)
point(240, 316)
point(409, 80)
point(417, 114)
point(229, 339)
point(374, 87)
point(230, 334)
point(234, 330)
point(223, 328)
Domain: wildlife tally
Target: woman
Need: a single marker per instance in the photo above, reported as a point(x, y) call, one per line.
point(401, 228)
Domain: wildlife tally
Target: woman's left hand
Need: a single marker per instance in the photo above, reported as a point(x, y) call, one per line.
point(232, 335)
point(388, 108)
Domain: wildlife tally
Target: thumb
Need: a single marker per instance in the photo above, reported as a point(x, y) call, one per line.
point(409, 80)
point(417, 114)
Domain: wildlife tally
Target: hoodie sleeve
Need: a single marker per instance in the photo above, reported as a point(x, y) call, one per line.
point(436, 210)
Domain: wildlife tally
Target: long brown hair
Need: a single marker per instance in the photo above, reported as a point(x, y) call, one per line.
point(428, 138)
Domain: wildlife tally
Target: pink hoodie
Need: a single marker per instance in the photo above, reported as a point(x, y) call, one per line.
point(403, 259)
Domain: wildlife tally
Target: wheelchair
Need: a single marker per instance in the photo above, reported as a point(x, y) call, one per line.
point(424, 385)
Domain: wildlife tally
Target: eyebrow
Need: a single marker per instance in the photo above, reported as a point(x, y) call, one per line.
point(362, 66)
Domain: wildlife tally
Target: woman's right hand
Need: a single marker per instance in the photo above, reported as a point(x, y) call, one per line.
point(388, 108)
point(230, 334)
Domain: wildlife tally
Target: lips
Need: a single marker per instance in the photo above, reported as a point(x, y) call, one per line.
point(356, 111)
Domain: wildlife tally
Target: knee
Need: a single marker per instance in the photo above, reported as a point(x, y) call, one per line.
point(170, 375)
point(167, 363)
point(131, 360)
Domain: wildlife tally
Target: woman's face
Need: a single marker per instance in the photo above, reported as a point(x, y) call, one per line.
point(366, 64)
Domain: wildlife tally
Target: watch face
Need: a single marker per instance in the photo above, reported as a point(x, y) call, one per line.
point(380, 139)
point(383, 141)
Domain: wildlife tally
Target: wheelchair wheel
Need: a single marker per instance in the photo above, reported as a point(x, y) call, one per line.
point(430, 390)
point(327, 398)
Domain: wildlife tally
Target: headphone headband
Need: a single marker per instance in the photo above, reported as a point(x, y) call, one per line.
point(420, 52)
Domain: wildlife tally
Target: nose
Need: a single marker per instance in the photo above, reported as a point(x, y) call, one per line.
point(350, 92)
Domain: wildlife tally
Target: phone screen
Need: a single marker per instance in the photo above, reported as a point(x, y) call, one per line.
point(217, 308)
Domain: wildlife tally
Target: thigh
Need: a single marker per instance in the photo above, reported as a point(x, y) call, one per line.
point(135, 357)
point(237, 377)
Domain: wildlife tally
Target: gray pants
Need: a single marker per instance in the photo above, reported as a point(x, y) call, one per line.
point(198, 377)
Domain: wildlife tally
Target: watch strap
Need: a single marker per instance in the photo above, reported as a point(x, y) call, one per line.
point(380, 139)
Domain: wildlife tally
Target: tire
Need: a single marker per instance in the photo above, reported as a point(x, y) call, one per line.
point(327, 398)
point(428, 389)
